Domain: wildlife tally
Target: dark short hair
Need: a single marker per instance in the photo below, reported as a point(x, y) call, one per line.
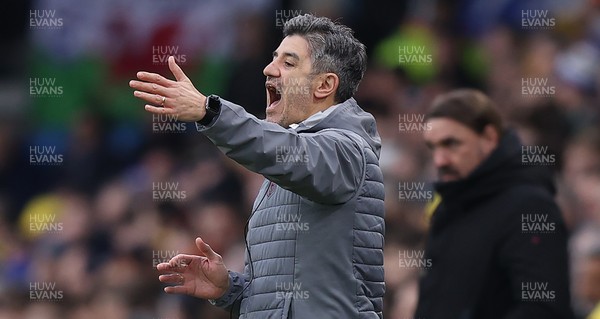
point(469, 107)
point(333, 48)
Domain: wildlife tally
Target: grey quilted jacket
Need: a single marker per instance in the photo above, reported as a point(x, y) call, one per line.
point(316, 235)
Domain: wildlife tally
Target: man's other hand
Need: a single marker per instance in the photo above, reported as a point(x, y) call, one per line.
point(203, 276)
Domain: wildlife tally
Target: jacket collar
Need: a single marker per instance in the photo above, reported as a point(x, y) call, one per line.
point(314, 119)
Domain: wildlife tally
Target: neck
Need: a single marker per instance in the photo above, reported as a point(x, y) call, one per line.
point(322, 105)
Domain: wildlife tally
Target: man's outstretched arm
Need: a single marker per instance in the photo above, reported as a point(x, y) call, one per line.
point(327, 166)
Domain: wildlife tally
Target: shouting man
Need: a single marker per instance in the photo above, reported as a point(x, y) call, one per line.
point(315, 236)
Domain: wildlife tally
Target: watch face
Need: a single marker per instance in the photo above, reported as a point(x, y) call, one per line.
point(212, 107)
point(213, 104)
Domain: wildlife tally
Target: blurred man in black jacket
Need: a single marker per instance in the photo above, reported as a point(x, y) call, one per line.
point(497, 242)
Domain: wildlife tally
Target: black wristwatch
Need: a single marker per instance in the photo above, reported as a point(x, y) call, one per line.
point(213, 108)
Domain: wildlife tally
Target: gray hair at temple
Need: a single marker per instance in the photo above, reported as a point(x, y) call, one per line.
point(333, 48)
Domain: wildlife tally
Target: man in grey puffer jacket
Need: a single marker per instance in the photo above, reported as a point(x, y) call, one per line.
point(315, 237)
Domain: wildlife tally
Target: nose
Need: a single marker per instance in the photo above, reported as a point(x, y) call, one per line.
point(440, 158)
point(271, 70)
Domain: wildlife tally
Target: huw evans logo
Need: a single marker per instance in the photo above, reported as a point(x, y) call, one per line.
point(44, 87)
point(44, 223)
point(293, 289)
point(283, 16)
point(537, 291)
point(536, 224)
point(167, 123)
point(167, 191)
point(44, 291)
point(537, 87)
point(414, 192)
point(537, 20)
point(293, 86)
point(297, 155)
point(161, 54)
point(413, 259)
point(162, 256)
point(537, 155)
point(44, 155)
point(44, 19)
point(414, 54)
point(413, 123)
point(291, 222)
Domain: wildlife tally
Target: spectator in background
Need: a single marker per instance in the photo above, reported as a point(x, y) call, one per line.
point(492, 252)
point(581, 177)
point(585, 266)
point(581, 202)
point(590, 279)
point(315, 239)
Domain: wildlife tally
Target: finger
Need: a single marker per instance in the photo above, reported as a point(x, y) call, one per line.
point(164, 267)
point(206, 250)
point(158, 110)
point(181, 261)
point(148, 87)
point(176, 70)
point(168, 268)
point(177, 290)
point(155, 99)
point(171, 279)
point(155, 78)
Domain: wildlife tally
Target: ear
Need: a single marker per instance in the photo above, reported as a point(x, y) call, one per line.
point(490, 138)
point(326, 85)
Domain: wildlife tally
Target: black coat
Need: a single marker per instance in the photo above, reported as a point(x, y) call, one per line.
point(497, 245)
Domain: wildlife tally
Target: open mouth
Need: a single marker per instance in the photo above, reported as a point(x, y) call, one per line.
point(274, 95)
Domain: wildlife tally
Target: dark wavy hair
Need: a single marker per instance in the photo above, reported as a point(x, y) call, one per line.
point(333, 48)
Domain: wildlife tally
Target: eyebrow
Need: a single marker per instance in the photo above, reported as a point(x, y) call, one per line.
point(290, 54)
point(443, 142)
point(448, 140)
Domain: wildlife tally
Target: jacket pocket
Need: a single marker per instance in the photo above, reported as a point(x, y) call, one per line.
point(286, 313)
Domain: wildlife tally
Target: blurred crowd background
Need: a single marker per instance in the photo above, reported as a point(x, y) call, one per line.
point(81, 232)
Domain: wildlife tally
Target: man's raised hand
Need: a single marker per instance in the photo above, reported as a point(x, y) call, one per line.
point(179, 97)
point(203, 276)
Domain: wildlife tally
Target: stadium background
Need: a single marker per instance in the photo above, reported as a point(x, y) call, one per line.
point(84, 171)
